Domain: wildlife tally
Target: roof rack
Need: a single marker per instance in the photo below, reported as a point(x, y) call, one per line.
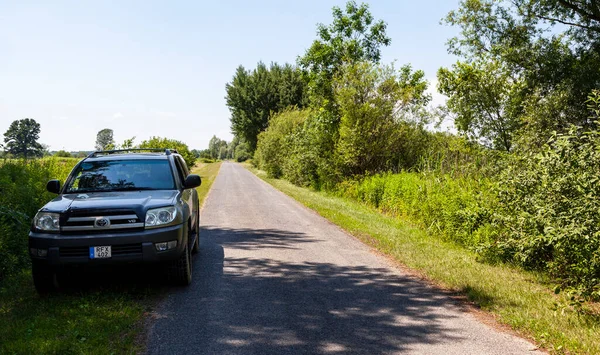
point(120, 151)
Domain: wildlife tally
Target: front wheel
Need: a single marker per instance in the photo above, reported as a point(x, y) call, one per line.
point(181, 269)
point(44, 278)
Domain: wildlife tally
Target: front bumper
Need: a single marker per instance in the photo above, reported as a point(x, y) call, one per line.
point(129, 247)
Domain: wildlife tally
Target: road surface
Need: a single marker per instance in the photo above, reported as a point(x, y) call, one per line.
point(273, 277)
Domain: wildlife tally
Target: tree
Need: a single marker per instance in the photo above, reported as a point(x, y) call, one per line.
point(552, 47)
point(63, 154)
point(354, 36)
point(104, 139)
point(214, 146)
point(253, 96)
point(485, 99)
point(20, 139)
point(128, 143)
point(375, 102)
point(166, 143)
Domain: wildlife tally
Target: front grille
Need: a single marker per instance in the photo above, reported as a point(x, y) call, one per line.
point(100, 221)
point(123, 249)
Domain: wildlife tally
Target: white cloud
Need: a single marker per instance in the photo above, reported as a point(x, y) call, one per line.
point(118, 115)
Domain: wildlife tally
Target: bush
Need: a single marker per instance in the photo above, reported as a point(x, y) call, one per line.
point(275, 144)
point(22, 193)
point(550, 210)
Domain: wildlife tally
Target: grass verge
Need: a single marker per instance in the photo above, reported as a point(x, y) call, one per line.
point(208, 173)
point(102, 318)
point(514, 297)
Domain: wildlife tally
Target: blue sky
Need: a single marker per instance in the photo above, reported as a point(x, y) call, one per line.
point(159, 68)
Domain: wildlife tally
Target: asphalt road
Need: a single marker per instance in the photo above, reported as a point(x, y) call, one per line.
point(273, 277)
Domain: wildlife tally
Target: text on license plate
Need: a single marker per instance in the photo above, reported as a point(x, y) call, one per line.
point(100, 252)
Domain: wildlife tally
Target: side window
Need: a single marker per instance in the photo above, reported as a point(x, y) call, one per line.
point(180, 172)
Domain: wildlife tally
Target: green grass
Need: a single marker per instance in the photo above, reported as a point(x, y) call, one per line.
point(513, 296)
point(208, 172)
point(92, 320)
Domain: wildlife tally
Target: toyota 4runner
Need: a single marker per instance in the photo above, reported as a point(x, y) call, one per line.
point(119, 207)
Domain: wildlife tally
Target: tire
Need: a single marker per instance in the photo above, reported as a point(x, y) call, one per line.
point(181, 269)
point(44, 278)
point(196, 247)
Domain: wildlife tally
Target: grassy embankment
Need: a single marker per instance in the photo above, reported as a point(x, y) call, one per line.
point(512, 296)
point(97, 319)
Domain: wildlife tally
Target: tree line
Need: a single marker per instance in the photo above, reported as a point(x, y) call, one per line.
point(21, 141)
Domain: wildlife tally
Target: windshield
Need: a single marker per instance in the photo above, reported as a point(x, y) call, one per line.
point(122, 175)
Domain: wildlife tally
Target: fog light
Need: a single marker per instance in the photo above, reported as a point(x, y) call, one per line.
point(42, 252)
point(166, 245)
point(161, 246)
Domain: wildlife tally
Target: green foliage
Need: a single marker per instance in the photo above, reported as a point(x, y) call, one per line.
point(353, 36)
point(486, 100)
point(242, 152)
point(215, 148)
point(63, 154)
point(21, 139)
point(550, 212)
point(276, 143)
point(166, 143)
point(458, 209)
point(104, 140)
point(550, 46)
point(23, 187)
point(127, 143)
point(252, 96)
point(375, 104)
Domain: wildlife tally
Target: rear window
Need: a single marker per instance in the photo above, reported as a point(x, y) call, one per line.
point(122, 175)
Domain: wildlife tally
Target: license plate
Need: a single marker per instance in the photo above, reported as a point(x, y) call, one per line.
point(100, 252)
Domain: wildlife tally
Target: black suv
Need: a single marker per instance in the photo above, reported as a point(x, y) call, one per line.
point(119, 206)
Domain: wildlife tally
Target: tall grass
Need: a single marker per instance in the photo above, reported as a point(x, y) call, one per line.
point(457, 208)
point(22, 193)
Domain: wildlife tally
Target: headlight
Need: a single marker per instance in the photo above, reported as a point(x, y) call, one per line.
point(46, 221)
point(163, 216)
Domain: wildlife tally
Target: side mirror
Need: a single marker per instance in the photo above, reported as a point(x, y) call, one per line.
point(192, 181)
point(53, 186)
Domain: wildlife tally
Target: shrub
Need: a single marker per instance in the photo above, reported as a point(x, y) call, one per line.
point(550, 211)
point(22, 193)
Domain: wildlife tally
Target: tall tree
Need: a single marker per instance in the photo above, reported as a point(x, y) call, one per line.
point(353, 36)
point(551, 46)
point(104, 139)
point(485, 100)
point(252, 96)
point(21, 139)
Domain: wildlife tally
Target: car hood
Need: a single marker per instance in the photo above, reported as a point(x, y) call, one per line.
point(135, 200)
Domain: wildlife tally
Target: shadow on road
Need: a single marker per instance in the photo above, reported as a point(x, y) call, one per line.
point(259, 306)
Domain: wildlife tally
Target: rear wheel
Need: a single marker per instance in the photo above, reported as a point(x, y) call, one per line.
point(181, 269)
point(44, 278)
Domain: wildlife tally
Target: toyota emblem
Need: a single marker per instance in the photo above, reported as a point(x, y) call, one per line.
point(102, 222)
